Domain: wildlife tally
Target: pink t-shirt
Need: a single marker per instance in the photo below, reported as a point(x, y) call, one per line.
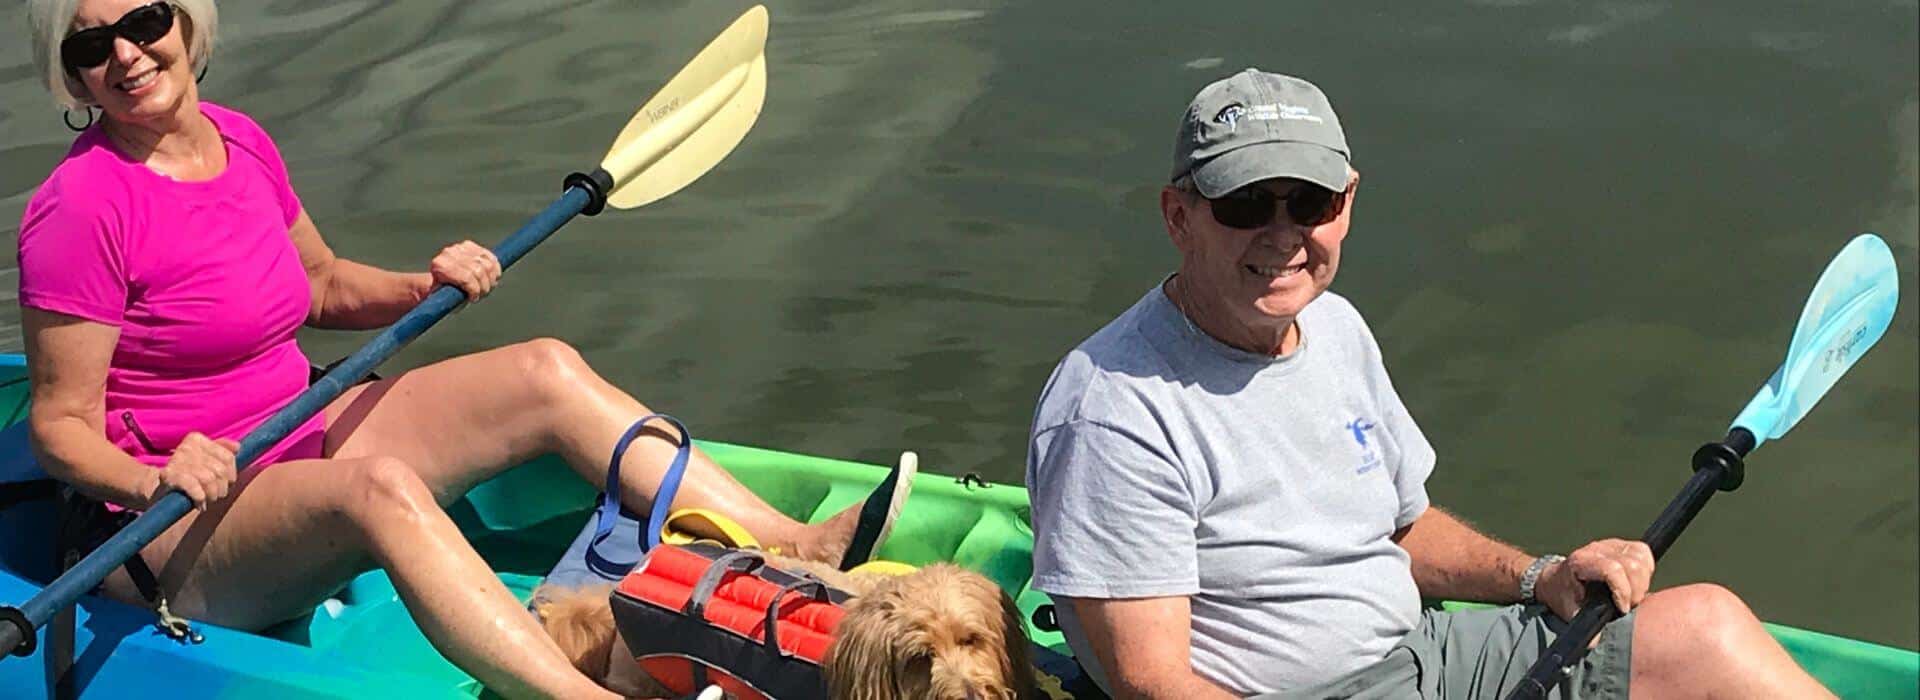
point(201, 278)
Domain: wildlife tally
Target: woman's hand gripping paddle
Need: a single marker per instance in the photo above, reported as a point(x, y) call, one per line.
point(1850, 308)
point(692, 123)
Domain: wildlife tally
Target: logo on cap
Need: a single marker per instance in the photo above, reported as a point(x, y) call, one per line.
point(1230, 115)
point(1233, 113)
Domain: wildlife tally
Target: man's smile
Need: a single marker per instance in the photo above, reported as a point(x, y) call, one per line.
point(1273, 272)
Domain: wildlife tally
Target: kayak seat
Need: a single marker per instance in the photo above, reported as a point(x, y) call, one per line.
point(29, 524)
point(18, 465)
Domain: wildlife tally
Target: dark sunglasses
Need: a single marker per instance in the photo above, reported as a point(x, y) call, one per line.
point(91, 47)
point(1253, 206)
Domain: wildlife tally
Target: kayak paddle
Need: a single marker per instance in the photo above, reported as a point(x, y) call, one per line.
point(1849, 310)
point(680, 134)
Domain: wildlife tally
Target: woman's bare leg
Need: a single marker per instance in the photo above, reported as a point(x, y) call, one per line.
point(293, 533)
point(463, 420)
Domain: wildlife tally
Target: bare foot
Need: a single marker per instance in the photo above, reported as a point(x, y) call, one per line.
point(830, 541)
point(827, 541)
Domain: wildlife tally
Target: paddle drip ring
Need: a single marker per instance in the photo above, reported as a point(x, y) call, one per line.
point(598, 185)
point(10, 615)
point(1726, 458)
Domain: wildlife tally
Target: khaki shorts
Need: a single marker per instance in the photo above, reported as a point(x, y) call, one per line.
point(1482, 653)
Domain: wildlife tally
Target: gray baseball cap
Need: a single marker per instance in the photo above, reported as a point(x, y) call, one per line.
point(1254, 126)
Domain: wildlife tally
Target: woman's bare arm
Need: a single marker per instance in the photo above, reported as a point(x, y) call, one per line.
point(67, 359)
point(348, 295)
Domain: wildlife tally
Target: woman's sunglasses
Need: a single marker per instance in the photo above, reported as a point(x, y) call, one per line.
point(91, 47)
point(1254, 206)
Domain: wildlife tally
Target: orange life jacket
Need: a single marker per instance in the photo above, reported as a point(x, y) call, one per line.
point(701, 614)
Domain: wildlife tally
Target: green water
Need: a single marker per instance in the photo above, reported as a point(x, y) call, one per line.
point(1584, 233)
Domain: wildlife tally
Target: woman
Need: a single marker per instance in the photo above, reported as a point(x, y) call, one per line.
point(164, 267)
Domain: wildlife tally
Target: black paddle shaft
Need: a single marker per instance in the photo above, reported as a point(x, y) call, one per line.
point(1717, 466)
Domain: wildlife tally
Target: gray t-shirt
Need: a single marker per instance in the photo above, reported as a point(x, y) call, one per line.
point(1267, 490)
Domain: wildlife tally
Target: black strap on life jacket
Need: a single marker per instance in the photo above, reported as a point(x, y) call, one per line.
point(83, 524)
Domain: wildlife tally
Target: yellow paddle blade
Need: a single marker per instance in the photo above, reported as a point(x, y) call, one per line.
point(696, 120)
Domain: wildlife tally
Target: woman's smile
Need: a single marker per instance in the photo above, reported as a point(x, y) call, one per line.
point(136, 81)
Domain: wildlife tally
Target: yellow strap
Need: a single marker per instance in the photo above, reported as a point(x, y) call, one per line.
point(883, 567)
point(688, 525)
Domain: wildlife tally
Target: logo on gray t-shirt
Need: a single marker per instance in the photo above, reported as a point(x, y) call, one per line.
point(1369, 457)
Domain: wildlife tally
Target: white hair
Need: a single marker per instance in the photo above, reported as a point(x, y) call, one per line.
point(52, 20)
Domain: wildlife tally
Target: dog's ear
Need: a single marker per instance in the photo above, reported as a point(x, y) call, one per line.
point(1014, 636)
point(580, 621)
point(860, 663)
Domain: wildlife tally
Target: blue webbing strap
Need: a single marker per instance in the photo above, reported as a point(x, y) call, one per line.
point(610, 510)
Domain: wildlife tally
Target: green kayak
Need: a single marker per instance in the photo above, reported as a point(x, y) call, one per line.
point(362, 641)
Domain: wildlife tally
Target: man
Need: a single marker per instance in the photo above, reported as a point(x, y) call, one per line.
point(1229, 498)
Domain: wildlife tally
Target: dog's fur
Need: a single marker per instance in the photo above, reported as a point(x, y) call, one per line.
point(942, 632)
point(580, 621)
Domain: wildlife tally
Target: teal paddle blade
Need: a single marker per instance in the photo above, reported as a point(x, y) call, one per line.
point(1849, 310)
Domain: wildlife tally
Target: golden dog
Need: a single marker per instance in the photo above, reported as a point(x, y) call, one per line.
point(942, 633)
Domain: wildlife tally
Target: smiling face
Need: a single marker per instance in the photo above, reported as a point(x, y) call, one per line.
point(1245, 286)
point(137, 84)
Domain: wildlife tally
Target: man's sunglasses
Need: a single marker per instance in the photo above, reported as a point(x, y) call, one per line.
point(1254, 206)
point(91, 47)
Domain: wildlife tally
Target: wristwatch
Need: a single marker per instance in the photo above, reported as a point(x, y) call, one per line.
point(1532, 576)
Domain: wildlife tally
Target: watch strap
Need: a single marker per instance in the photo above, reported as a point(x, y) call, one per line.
point(1531, 578)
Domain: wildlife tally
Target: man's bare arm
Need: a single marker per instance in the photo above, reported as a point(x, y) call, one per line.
point(1454, 561)
point(1145, 647)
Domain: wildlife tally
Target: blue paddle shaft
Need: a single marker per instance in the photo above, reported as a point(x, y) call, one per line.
point(90, 571)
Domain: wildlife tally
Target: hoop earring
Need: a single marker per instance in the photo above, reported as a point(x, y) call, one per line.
point(203, 73)
point(66, 116)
